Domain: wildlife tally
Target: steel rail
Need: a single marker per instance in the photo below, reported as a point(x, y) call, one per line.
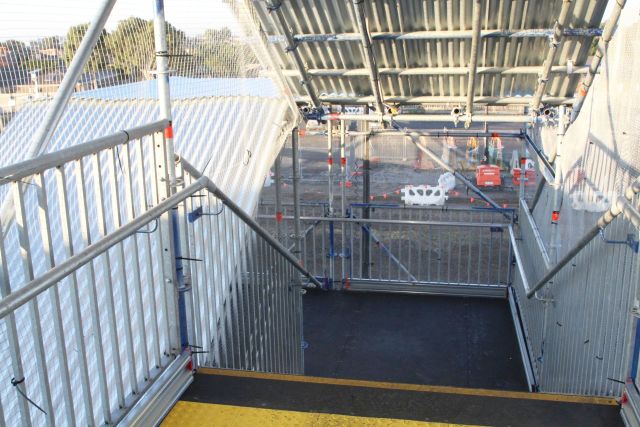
point(554, 47)
point(607, 34)
point(473, 61)
point(57, 274)
point(620, 206)
point(539, 153)
point(396, 99)
point(393, 221)
point(436, 71)
point(367, 52)
point(275, 7)
point(250, 222)
point(26, 168)
point(437, 35)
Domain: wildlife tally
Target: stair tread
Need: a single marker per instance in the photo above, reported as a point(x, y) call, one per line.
point(372, 399)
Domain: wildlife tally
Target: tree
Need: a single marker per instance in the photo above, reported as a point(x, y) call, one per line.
point(100, 55)
point(219, 54)
point(133, 47)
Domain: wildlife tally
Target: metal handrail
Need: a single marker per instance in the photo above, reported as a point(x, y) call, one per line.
point(619, 206)
point(395, 221)
point(191, 170)
point(54, 276)
point(30, 167)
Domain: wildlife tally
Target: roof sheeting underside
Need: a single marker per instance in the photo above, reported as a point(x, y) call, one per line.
point(451, 54)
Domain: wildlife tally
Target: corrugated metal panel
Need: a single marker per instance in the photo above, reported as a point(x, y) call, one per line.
point(203, 128)
point(337, 16)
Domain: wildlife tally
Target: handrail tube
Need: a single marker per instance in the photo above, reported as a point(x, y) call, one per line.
point(455, 133)
point(41, 163)
point(393, 221)
point(434, 35)
point(275, 7)
point(187, 167)
point(433, 99)
point(437, 71)
point(607, 34)
point(377, 117)
point(516, 254)
point(369, 55)
point(537, 194)
point(35, 287)
point(473, 64)
point(554, 47)
point(618, 207)
point(536, 234)
point(540, 154)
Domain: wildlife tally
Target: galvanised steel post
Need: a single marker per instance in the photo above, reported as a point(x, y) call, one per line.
point(554, 46)
point(278, 183)
point(295, 158)
point(330, 213)
point(366, 192)
point(173, 258)
point(558, 191)
point(343, 204)
point(523, 163)
point(473, 62)
point(583, 88)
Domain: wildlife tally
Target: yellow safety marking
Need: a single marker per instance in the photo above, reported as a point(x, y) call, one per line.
point(568, 398)
point(192, 414)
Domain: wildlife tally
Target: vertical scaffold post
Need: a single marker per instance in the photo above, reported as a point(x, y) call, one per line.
point(167, 185)
point(295, 159)
point(557, 186)
point(366, 192)
point(523, 166)
point(343, 204)
point(331, 255)
point(278, 183)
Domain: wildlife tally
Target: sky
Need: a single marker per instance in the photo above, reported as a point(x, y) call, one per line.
point(31, 19)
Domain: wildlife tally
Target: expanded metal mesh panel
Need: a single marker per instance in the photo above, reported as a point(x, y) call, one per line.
point(580, 342)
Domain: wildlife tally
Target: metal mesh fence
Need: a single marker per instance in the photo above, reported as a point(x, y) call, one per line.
point(580, 339)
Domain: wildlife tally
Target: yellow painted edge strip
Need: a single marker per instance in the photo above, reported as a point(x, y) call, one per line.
point(196, 414)
point(569, 398)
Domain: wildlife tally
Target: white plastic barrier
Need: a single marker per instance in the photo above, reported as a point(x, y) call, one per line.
point(424, 195)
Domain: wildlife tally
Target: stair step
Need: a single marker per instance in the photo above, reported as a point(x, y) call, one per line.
point(217, 394)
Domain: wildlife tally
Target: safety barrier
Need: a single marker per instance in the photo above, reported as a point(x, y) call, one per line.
point(114, 285)
point(405, 249)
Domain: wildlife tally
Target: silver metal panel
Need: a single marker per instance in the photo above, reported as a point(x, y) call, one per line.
point(452, 18)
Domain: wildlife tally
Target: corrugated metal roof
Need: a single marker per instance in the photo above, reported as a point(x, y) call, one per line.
point(186, 88)
point(444, 55)
point(207, 134)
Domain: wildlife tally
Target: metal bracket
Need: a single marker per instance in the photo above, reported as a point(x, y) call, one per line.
point(194, 215)
point(631, 241)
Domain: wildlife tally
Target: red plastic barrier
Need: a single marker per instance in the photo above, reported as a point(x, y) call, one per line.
point(488, 176)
